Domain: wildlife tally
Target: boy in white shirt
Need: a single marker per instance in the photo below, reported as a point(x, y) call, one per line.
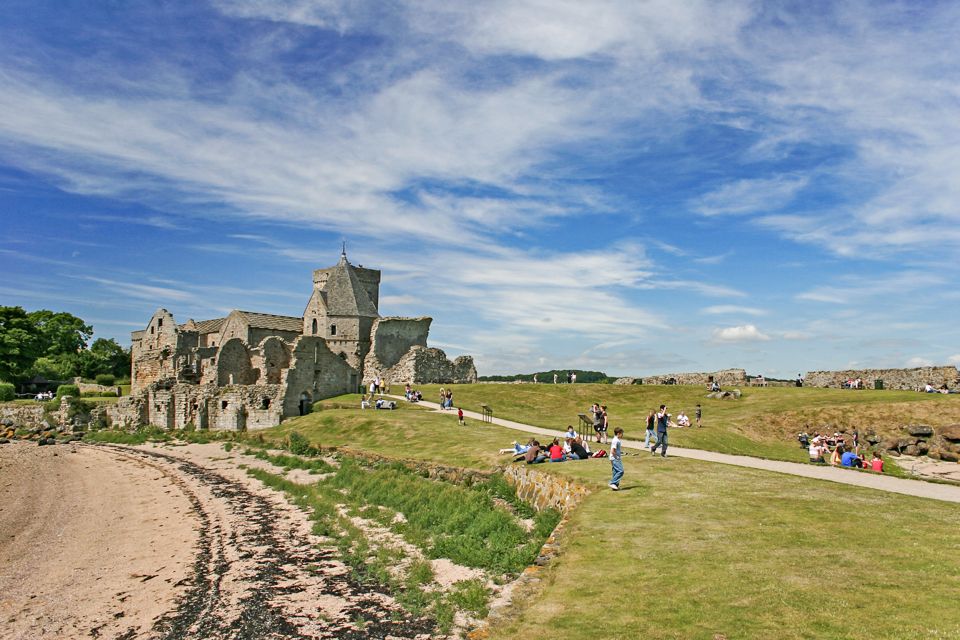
point(616, 462)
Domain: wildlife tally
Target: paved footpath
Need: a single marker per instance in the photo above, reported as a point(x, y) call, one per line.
point(919, 488)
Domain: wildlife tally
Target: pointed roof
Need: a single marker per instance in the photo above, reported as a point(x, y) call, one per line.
point(273, 322)
point(345, 296)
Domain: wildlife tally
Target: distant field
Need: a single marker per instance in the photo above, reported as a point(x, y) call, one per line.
point(763, 422)
point(697, 550)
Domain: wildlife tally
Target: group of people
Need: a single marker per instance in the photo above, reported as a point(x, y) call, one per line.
point(929, 388)
point(378, 386)
point(446, 399)
point(44, 395)
point(380, 403)
point(570, 447)
point(411, 394)
point(824, 447)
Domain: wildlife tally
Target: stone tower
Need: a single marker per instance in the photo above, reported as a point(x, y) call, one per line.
point(342, 309)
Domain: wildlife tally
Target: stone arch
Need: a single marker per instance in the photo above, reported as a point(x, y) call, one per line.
point(233, 364)
point(276, 357)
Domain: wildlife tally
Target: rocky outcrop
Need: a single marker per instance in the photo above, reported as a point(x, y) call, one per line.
point(626, 381)
point(724, 377)
point(725, 395)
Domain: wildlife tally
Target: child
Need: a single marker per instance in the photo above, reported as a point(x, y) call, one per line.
point(616, 464)
point(699, 415)
point(460, 417)
point(877, 463)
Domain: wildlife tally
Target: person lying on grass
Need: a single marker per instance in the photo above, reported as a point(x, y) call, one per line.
point(517, 448)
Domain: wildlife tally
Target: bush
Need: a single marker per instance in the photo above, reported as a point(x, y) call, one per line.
point(68, 390)
point(7, 392)
point(299, 445)
point(89, 394)
point(106, 379)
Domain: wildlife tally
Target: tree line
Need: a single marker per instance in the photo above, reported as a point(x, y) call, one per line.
point(56, 346)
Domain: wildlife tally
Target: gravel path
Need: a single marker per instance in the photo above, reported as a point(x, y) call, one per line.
point(919, 488)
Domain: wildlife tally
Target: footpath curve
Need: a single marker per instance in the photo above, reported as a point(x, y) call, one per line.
point(918, 488)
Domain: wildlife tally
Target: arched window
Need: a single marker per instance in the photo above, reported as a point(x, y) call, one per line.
point(314, 326)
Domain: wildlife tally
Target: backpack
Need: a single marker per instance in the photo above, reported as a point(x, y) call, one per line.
point(602, 453)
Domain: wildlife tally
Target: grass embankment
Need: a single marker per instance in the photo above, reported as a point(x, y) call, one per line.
point(764, 422)
point(697, 550)
point(442, 520)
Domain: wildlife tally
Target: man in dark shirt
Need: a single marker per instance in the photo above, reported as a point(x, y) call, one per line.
point(662, 419)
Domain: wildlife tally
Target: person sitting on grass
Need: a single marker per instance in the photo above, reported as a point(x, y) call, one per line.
point(364, 403)
point(534, 454)
point(683, 420)
point(816, 451)
point(836, 456)
point(877, 463)
point(849, 459)
point(577, 450)
point(556, 451)
point(570, 432)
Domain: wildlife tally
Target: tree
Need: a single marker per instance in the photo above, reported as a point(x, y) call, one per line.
point(106, 356)
point(19, 343)
point(60, 333)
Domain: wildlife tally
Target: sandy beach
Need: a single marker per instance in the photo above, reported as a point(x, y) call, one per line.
point(168, 542)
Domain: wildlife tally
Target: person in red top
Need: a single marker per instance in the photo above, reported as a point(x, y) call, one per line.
point(556, 452)
point(877, 463)
point(460, 417)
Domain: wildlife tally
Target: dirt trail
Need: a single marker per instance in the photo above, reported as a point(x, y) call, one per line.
point(241, 562)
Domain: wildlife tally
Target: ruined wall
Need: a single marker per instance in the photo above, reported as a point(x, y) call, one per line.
point(23, 415)
point(315, 372)
point(234, 365)
point(128, 413)
point(724, 377)
point(545, 490)
point(892, 378)
point(426, 365)
point(391, 339)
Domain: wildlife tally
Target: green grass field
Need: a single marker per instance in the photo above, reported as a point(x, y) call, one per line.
point(764, 422)
point(698, 550)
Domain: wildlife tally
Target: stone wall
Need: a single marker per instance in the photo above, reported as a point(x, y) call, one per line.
point(427, 365)
point(908, 379)
point(545, 490)
point(30, 416)
point(315, 372)
point(392, 338)
point(724, 377)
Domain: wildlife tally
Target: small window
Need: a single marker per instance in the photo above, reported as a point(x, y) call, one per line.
point(213, 361)
point(151, 330)
point(333, 329)
point(159, 322)
point(343, 356)
point(223, 404)
point(314, 326)
point(265, 403)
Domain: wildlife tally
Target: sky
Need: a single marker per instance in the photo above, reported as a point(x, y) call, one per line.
point(635, 187)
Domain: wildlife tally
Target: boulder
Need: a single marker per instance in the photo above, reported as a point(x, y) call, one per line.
point(923, 448)
point(950, 432)
point(4, 441)
point(920, 430)
point(949, 456)
point(912, 450)
point(873, 438)
point(7, 422)
point(934, 453)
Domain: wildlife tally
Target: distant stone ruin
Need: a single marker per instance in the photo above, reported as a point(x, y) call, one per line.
point(724, 377)
point(250, 370)
point(906, 379)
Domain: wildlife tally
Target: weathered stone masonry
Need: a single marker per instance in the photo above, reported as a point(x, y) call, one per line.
point(250, 370)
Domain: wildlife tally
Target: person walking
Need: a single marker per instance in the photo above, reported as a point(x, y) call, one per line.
point(699, 415)
point(460, 417)
point(662, 419)
point(651, 429)
point(616, 462)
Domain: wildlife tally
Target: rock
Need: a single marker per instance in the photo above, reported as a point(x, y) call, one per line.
point(923, 448)
point(625, 381)
point(873, 439)
point(4, 441)
point(7, 422)
point(920, 430)
point(43, 441)
point(894, 453)
point(736, 393)
point(934, 453)
point(950, 432)
point(45, 426)
point(912, 450)
point(949, 456)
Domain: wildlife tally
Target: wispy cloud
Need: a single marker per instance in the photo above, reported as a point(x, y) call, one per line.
point(750, 196)
point(733, 309)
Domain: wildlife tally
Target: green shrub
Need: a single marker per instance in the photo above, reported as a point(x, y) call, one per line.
point(7, 392)
point(108, 394)
point(299, 445)
point(106, 379)
point(68, 390)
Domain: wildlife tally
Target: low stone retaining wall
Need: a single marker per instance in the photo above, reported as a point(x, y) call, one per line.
point(906, 379)
point(23, 416)
point(545, 490)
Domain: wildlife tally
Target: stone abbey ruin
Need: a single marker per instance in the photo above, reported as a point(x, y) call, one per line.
point(250, 370)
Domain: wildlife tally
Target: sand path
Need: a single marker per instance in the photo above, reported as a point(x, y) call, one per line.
point(919, 488)
point(168, 542)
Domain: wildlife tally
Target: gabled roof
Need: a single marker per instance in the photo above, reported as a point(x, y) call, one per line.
point(204, 326)
point(270, 321)
point(345, 296)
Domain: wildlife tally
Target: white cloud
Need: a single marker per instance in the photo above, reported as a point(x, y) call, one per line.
point(733, 309)
point(750, 196)
point(919, 362)
point(742, 333)
point(954, 359)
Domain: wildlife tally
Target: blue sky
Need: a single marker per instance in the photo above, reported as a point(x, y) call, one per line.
point(633, 187)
